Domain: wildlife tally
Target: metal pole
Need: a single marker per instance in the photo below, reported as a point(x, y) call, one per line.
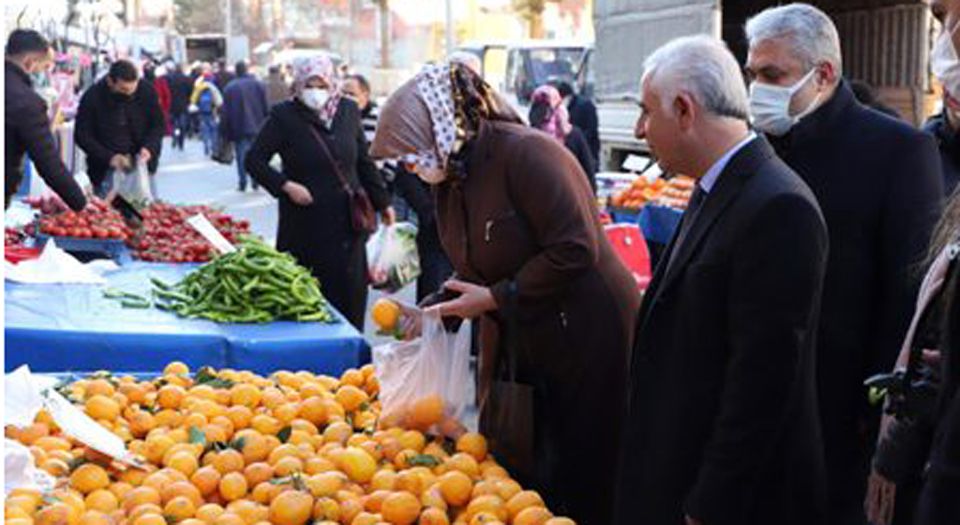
point(229, 19)
point(448, 4)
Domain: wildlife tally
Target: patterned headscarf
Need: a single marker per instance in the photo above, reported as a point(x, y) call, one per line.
point(558, 122)
point(320, 65)
point(429, 118)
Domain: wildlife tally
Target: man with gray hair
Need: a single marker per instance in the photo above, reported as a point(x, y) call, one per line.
point(878, 183)
point(722, 428)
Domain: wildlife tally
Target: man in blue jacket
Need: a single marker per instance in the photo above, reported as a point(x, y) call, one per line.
point(245, 108)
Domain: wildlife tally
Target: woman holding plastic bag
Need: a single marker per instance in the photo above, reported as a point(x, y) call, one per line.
point(318, 136)
point(556, 307)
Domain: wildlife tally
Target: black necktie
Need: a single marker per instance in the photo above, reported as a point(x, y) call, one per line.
point(689, 217)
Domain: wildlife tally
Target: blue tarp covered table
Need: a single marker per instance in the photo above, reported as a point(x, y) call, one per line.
point(658, 223)
point(60, 327)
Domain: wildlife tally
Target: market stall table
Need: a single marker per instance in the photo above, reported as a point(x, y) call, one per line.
point(61, 327)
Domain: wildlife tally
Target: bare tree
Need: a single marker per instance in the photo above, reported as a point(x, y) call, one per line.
point(384, 7)
point(532, 12)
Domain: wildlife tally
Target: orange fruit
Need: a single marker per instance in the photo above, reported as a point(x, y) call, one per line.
point(229, 518)
point(264, 492)
point(184, 462)
point(255, 447)
point(433, 516)
point(523, 500)
point(532, 516)
point(314, 410)
point(246, 395)
point(383, 480)
point(456, 487)
point(326, 509)
point(288, 465)
point(180, 508)
point(150, 518)
point(266, 425)
point(326, 484)
point(102, 407)
point(99, 387)
point(413, 440)
point(464, 463)
point(560, 521)
point(209, 512)
point(474, 444)
point(357, 464)
point(233, 486)
point(206, 479)
point(366, 518)
point(292, 507)
point(257, 473)
point(240, 416)
point(94, 517)
point(490, 504)
point(351, 397)
point(228, 461)
point(386, 314)
point(171, 396)
point(31, 433)
point(508, 488)
point(176, 368)
point(338, 432)
point(182, 488)
point(141, 422)
point(89, 477)
point(433, 498)
point(56, 514)
point(102, 500)
point(373, 501)
point(400, 508)
point(425, 412)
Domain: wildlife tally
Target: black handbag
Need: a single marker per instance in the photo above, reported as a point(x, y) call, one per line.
point(363, 217)
point(508, 416)
point(223, 153)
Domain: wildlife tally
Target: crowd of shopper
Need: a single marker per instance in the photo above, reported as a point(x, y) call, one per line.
point(817, 254)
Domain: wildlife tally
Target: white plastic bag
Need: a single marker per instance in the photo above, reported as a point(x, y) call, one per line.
point(134, 185)
point(392, 256)
point(425, 384)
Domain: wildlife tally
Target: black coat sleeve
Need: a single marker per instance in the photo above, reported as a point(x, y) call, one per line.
point(268, 143)
point(85, 133)
point(34, 129)
point(577, 144)
point(411, 189)
point(910, 209)
point(775, 285)
point(370, 177)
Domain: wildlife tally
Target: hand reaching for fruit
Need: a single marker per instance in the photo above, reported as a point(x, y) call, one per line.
point(397, 318)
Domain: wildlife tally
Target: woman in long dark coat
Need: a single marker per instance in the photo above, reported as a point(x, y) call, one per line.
point(315, 224)
point(518, 220)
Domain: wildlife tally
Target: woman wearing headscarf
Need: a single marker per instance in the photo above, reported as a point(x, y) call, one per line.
point(318, 136)
point(549, 114)
point(519, 223)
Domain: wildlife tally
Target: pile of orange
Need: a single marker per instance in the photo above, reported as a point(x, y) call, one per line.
point(233, 448)
point(674, 193)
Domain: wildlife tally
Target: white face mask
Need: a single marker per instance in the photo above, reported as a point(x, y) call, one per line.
point(315, 98)
point(770, 106)
point(944, 62)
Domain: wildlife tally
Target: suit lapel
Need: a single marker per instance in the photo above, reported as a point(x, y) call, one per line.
point(740, 168)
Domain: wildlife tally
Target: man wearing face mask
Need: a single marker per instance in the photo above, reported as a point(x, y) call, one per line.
point(26, 124)
point(878, 183)
point(119, 123)
point(945, 64)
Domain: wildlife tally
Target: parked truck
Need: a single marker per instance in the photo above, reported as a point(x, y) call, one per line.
point(212, 47)
point(884, 43)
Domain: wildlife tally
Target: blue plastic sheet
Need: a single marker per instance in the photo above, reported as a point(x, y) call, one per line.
point(658, 223)
point(61, 327)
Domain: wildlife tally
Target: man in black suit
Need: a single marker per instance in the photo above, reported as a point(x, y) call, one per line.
point(583, 114)
point(878, 183)
point(723, 427)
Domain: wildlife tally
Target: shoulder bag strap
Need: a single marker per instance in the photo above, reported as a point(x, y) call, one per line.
point(333, 160)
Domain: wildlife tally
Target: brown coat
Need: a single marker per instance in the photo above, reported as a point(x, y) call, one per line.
point(525, 213)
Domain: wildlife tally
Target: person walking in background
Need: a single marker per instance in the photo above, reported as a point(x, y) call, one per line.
point(205, 101)
point(26, 124)
point(723, 422)
point(357, 87)
point(245, 107)
point(548, 114)
point(583, 114)
point(318, 137)
point(879, 184)
point(156, 76)
point(180, 90)
point(119, 123)
point(277, 88)
point(519, 222)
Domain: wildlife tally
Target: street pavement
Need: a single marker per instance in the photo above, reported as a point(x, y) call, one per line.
point(190, 177)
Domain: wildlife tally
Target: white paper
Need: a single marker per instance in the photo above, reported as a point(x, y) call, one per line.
point(20, 471)
point(57, 266)
point(27, 394)
point(214, 237)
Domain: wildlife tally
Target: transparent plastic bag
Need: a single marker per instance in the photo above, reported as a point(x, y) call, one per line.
point(134, 185)
point(425, 384)
point(392, 256)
